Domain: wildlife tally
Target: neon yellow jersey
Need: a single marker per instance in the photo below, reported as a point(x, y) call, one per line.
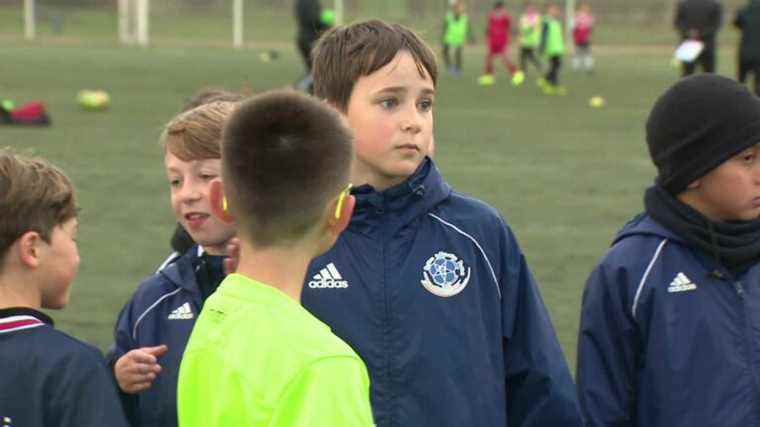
point(257, 358)
point(456, 29)
point(554, 43)
point(530, 30)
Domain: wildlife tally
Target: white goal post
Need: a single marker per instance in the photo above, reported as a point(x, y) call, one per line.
point(134, 22)
point(237, 24)
point(569, 18)
point(338, 12)
point(30, 29)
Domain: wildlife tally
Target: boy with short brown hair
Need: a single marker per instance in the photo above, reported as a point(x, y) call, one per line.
point(268, 362)
point(49, 377)
point(429, 286)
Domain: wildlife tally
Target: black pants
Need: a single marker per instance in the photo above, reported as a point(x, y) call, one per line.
point(457, 57)
point(552, 76)
point(706, 59)
point(747, 67)
point(529, 54)
point(304, 48)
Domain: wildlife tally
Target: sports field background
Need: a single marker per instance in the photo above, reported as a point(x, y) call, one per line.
point(564, 175)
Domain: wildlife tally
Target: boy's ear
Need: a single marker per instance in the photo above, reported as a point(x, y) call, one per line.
point(694, 184)
point(337, 225)
point(28, 250)
point(219, 203)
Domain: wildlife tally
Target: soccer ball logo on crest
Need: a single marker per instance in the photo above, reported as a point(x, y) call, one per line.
point(445, 275)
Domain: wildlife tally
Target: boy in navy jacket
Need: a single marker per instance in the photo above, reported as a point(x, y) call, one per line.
point(47, 378)
point(428, 285)
point(669, 325)
point(153, 327)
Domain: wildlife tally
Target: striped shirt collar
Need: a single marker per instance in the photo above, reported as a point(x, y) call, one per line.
point(20, 318)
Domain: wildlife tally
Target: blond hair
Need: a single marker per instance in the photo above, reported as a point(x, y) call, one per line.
point(197, 134)
point(34, 196)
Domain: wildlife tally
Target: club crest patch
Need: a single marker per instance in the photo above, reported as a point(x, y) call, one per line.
point(445, 275)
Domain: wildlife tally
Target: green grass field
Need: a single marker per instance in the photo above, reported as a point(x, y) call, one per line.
point(565, 176)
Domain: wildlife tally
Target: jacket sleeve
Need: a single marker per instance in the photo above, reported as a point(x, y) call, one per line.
point(123, 343)
point(607, 349)
point(84, 395)
point(540, 389)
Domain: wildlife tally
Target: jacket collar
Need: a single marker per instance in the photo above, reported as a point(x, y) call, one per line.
point(181, 273)
point(401, 203)
point(643, 225)
point(196, 272)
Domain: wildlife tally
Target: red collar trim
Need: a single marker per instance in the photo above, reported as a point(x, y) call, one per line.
point(18, 323)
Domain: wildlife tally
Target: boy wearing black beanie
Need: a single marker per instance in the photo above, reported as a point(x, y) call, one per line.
point(670, 322)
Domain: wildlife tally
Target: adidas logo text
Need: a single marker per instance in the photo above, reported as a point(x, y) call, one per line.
point(182, 312)
point(681, 283)
point(328, 277)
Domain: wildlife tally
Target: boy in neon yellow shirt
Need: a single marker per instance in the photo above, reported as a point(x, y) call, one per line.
point(530, 37)
point(456, 32)
point(255, 356)
point(553, 49)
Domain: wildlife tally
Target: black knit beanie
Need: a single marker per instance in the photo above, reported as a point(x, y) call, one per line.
point(696, 125)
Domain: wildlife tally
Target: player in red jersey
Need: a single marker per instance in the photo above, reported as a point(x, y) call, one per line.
point(497, 34)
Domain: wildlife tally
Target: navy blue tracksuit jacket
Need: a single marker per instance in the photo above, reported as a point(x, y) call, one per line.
point(431, 289)
point(48, 378)
point(162, 310)
point(664, 340)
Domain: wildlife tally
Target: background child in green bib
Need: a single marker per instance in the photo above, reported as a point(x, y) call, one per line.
point(456, 31)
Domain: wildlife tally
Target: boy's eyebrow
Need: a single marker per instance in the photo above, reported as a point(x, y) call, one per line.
point(393, 89)
point(403, 89)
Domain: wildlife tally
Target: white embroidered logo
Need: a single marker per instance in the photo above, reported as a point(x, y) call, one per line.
point(328, 277)
point(445, 275)
point(681, 284)
point(182, 312)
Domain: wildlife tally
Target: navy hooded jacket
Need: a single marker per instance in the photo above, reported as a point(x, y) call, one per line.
point(432, 291)
point(667, 337)
point(162, 310)
point(48, 378)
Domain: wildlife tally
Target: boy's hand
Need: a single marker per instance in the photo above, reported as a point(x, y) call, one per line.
point(136, 370)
